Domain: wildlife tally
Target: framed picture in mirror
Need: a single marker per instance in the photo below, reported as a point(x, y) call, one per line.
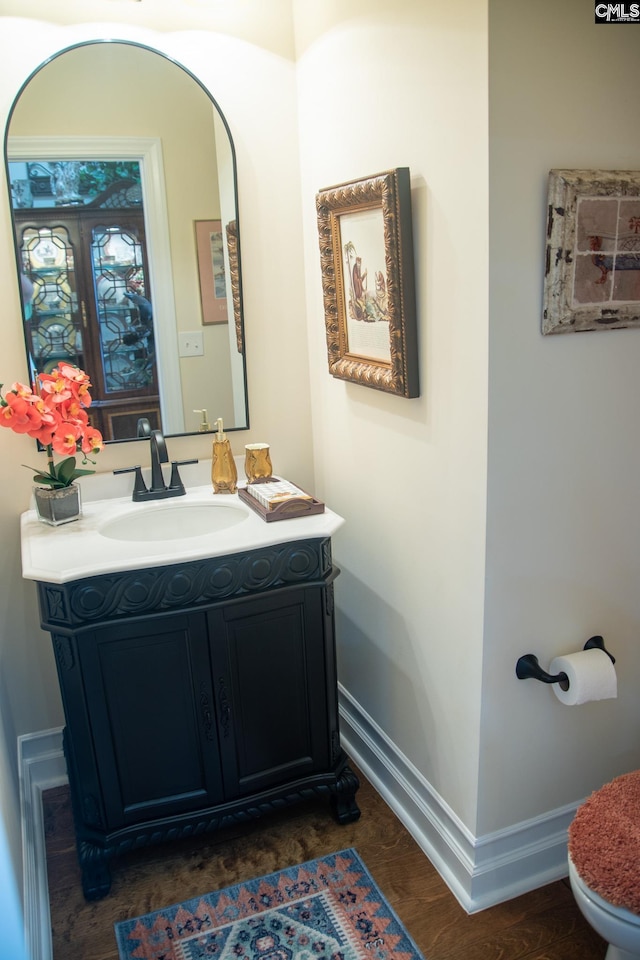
point(366, 258)
point(592, 264)
point(211, 269)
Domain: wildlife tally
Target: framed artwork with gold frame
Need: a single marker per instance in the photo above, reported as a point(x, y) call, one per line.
point(592, 269)
point(366, 257)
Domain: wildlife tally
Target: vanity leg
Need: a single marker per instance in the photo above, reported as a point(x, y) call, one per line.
point(96, 875)
point(343, 799)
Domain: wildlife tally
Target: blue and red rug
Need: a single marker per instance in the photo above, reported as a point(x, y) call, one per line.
point(327, 909)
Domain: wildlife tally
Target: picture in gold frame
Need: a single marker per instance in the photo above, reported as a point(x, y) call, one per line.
point(366, 257)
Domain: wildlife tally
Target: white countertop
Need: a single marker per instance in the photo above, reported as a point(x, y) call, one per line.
point(78, 549)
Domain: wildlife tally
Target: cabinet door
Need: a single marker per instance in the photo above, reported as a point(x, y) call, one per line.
point(270, 683)
point(149, 699)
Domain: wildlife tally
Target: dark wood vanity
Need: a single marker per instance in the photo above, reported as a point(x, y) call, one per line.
point(197, 695)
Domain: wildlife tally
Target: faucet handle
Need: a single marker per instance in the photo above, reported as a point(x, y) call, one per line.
point(139, 486)
point(175, 483)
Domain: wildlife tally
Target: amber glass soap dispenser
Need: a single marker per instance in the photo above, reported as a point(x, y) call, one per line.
point(224, 475)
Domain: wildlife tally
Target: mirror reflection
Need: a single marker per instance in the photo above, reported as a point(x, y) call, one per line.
point(123, 191)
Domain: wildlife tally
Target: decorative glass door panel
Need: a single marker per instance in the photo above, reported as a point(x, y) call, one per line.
point(124, 313)
point(52, 317)
point(86, 300)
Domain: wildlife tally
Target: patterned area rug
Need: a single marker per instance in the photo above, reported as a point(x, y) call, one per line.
point(327, 909)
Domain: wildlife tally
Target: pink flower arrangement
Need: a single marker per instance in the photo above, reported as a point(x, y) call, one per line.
point(54, 412)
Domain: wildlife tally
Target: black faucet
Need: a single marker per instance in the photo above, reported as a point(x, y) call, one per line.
point(159, 455)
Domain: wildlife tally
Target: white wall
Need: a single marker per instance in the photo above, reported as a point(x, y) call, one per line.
point(11, 874)
point(267, 25)
point(417, 650)
point(384, 85)
point(563, 527)
point(13, 941)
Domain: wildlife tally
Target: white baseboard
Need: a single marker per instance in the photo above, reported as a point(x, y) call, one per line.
point(480, 871)
point(42, 766)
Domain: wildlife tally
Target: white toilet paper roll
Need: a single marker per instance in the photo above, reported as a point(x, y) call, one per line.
point(591, 676)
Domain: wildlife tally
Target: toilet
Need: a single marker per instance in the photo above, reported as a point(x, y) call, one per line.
point(604, 864)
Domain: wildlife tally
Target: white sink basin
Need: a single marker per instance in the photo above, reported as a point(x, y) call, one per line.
point(173, 521)
point(115, 534)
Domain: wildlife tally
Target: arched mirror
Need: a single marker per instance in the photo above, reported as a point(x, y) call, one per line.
point(122, 176)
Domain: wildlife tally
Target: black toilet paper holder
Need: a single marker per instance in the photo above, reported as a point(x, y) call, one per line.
point(528, 667)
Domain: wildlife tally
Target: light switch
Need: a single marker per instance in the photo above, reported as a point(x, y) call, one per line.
point(191, 344)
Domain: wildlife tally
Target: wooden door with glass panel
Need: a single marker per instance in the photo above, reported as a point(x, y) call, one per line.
point(85, 295)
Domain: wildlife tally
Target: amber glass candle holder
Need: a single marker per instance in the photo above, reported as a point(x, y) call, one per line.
point(257, 462)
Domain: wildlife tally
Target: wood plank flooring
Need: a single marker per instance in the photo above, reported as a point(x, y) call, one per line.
point(542, 925)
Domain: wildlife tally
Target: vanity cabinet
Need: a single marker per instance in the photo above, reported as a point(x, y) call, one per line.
point(197, 695)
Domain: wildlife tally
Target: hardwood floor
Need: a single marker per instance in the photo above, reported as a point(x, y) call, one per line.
point(542, 925)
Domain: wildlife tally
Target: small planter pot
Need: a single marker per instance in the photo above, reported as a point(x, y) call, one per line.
point(58, 506)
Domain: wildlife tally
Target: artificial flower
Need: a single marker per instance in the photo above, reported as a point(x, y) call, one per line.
point(54, 413)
